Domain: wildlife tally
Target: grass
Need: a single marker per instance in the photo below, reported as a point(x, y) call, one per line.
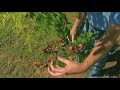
point(17, 57)
point(15, 60)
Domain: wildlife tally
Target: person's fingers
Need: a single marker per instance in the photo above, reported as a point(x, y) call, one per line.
point(73, 37)
point(55, 73)
point(55, 69)
point(63, 59)
point(52, 67)
point(51, 63)
point(73, 33)
point(51, 72)
point(59, 67)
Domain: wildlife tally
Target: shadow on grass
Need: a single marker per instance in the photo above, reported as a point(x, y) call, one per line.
point(113, 71)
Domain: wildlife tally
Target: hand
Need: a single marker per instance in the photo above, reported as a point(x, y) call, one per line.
point(71, 67)
point(73, 33)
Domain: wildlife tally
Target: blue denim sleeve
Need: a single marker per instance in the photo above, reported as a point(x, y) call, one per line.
point(115, 17)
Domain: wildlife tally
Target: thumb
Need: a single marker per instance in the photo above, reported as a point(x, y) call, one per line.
point(63, 60)
point(73, 37)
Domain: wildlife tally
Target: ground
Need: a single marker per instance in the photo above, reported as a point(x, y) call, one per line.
point(15, 66)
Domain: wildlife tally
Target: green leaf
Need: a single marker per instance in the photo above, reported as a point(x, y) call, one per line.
point(61, 64)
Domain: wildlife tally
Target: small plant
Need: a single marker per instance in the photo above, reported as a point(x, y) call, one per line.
point(24, 32)
point(74, 51)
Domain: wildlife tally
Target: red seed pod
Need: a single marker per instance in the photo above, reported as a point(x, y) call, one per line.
point(60, 39)
point(49, 60)
point(76, 50)
point(52, 59)
point(34, 64)
point(46, 50)
point(80, 46)
point(71, 58)
point(52, 44)
point(41, 63)
point(37, 64)
point(62, 44)
point(71, 48)
point(56, 49)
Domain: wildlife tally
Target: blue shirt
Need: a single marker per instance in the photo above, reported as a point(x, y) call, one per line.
point(101, 20)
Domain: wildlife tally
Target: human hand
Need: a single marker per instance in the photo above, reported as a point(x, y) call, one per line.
point(73, 34)
point(71, 67)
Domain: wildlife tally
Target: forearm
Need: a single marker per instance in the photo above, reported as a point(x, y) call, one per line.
point(79, 20)
point(103, 46)
point(97, 54)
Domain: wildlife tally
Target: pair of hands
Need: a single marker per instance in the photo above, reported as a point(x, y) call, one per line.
point(71, 66)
